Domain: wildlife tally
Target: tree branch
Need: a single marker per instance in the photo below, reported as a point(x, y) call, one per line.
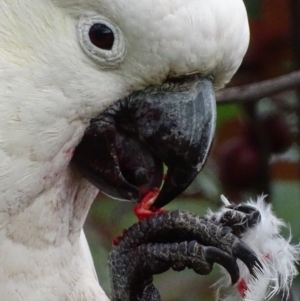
point(259, 90)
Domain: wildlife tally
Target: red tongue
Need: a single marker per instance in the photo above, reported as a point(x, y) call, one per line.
point(142, 209)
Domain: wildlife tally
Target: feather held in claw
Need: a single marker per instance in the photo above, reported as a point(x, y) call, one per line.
point(277, 255)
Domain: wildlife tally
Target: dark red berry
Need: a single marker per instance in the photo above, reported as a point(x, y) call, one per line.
point(239, 163)
point(277, 132)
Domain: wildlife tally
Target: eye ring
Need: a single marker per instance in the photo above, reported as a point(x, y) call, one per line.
point(112, 54)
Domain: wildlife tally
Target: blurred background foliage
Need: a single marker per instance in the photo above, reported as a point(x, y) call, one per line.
point(256, 151)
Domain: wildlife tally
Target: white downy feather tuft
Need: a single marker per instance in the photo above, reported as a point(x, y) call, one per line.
point(277, 255)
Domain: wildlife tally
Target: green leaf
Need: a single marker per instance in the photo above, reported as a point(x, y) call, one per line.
point(286, 200)
point(227, 112)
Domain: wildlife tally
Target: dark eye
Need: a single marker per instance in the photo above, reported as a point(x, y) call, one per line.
point(102, 36)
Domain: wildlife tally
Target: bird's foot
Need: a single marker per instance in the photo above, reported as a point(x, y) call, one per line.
point(238, 217)
point(173, 239)
point(143, 209)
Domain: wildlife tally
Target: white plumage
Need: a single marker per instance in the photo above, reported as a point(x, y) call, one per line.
point(277, 255)
point(51, 88)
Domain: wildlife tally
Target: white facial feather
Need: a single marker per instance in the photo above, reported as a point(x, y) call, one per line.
point(277, 255)
point(50, 89)
point(175, 37)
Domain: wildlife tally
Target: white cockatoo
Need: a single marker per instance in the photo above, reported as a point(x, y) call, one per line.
point(64, 62)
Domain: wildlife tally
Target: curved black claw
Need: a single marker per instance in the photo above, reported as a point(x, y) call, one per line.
point(126, 145)
point(247, 256)
point(173, 239)
point(213, 254)
point(133, 270)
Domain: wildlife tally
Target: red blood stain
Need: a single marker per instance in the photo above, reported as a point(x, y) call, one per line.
point(242, 287)
point(118, 239)
point(69, 152)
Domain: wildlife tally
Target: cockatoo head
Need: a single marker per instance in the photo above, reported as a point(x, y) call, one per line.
point(64, 62)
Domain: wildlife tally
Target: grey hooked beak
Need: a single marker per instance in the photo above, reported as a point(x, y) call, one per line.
point(172, 124)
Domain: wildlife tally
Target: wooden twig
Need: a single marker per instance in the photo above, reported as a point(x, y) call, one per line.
point(259, 90)
point(295, 39)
